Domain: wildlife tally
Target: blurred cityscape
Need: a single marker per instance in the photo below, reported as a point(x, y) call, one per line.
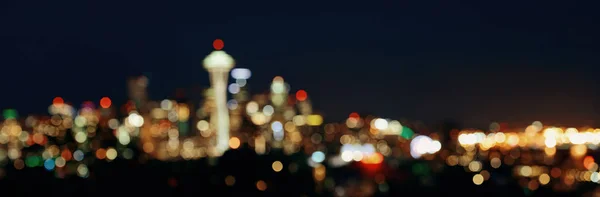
point(225, 117)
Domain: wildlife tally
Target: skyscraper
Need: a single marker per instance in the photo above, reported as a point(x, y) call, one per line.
point(218, 64)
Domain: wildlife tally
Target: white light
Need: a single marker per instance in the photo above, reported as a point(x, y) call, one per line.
point(277, 130)
point(357, 155)
point(423, 145)
point(347, 156)
point(595, 177)
point(166, 105)
point(234, 88)
point(135, 120)
point(80, 137)
point(395, 127)
point(368, 149)
point(241, 73)
point(435, 147)
point(268, 110)
point(381, 124)
point(218, 60)
point(232, 104)
point(251, 107)
point(318, 156)
point(123, 136)
point(277, 126)
point(278, 87)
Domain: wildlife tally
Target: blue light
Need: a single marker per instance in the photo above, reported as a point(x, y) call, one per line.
point(318, 156)
point(78, 155)
point(49, 164)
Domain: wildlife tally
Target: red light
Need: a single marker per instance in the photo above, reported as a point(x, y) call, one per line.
point(218, 44)
point(58, 101)
point(354, 115)
point(301, 95)
point(105, 102)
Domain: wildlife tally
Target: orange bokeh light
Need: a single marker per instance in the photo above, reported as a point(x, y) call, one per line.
point(588, 162)
point(376, 158)
point(105, 102)
point(58, 100)
point(218, 44)
point(354, 115)
point(101, 153)
point(301, 95)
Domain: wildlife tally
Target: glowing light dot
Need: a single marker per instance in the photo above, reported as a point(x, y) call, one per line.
point(78, 155)
point(60, 162)
point(268, 110)
point(261, 185)
point(82, 170)
point(301, 95)
point(111, 154)
point(58, 101)
point(105, 102)
point(380, 124)
point(80, 137)
point(545, 179)
point(347, 156)
point(234, 88)
point(234, 143)
point(49, 164)
point(478, 179)
point(318, 156)
point(277, 166)
point(218, 44)
point(241, 73)
point(135, 120)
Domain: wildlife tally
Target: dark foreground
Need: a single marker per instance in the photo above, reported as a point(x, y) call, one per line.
point(207, 178)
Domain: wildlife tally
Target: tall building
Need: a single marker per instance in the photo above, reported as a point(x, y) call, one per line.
point(138, 92)
point(218, 64)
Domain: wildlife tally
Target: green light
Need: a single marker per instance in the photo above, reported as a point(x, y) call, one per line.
point(9, 114)
point(33, 161)
point(407, 133)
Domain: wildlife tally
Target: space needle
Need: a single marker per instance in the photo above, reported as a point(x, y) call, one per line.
point(218, 64)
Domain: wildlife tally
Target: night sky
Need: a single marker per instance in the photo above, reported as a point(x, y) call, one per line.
point(475, 62)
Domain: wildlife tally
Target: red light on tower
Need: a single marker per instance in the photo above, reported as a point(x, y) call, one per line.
point(218, 44)
point(105, 102)
point(58, 101)
point(301, 95)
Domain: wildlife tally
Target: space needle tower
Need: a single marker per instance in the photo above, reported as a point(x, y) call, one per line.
point(218, 64)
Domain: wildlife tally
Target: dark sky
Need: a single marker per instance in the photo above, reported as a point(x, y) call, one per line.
point(476, 62)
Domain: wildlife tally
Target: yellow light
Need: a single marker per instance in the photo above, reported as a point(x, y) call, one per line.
point(544, 179)
point(277, 166)
point(495, 162)
point(319, 172)
point(525, 171)
point(578, 150)
point(234, 143)
point(475, 166)
point(183, 112)
point(478, 179)
point(111, 154)
point(314, 120)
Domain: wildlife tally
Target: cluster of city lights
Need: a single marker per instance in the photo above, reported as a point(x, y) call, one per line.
point(71, 138)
